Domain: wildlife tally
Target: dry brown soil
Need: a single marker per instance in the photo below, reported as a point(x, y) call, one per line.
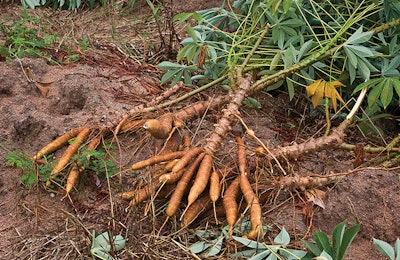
point(37, 224)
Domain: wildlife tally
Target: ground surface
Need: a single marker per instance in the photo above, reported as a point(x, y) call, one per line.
point(37, 224)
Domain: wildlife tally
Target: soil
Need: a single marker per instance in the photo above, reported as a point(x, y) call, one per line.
point(107, 81)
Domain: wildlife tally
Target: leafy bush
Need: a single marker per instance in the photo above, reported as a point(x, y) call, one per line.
point(361, 41)
point(24, 37)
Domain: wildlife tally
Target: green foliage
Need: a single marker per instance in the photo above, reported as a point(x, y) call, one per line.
point(392, 253)
point(341, 240)
point(105, 248)
point(211, 245)
point(360, 46)
point(32, 172)
point(64, 4)
point(98, 161)
point(23, 37)
point(259, 251)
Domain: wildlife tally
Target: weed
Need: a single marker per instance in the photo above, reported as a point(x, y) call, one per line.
point(32, 171)
point(23, 37)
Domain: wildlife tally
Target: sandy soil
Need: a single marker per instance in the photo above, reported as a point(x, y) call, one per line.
point(37, 223)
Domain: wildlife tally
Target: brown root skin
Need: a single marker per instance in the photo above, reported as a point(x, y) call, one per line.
point(186, 158)
point(230, 204)
point(159, 128)
point(58, 143)
point(255, 208)
point(182, 185)
point(157, 159)
point(194, 210)
point(307, 182)
point(70, 151)
point(228, 115)
point(201, 180)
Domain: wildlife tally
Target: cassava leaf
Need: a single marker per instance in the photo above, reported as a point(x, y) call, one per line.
point(283, 237)
point(384, 248)
point(359, 37)
point(322, 241)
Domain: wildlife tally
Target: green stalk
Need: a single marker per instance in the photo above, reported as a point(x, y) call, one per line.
point(272, 79)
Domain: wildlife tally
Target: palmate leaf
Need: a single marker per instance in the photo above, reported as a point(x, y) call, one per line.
point(381, 89)
point(321, 88)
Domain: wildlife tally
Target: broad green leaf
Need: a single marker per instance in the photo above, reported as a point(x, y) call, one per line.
point(384, 248)
point(304, 49)
point(322, 241)
point(169, 75)
point(359, 37)
point(337, 237)
point(323, 256)
point(191, 32)
point(348, 238)
point(387, 93)
point(177, 78)
point(363, 69)
point(367, 84)
point(396, 85)
point(397, 249)
point(286, 5)
point(182, 17)
point(359, 50)
point(199, 247)
point(252, 103)
point(292, 254)
point(313, 248)
point(167, 65)
point(283, 237)
point(275, 60)
point(290, 87)
point(261, 256)
point(352, 58)
point(374, 95)
point(249, 243)
point(216, 247)
point(184, 52)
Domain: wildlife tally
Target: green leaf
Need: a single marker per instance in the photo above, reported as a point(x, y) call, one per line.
point(315, 250)
point(199, 247)
point(249, 243)
point(397, 249)
point(387, 93)
point(261, 256)
point(359, 37)
point(252, 103)
point(286, 5)
point(283, 237)
point(167, 65)
point(322, 241)
point(182, 17)
point(384, 248)
point(367, 84)
point(337, 237)
point(374, 95)
point(358, 50)
point(292, 254)
point(191, 32)
point(169, 75)
point(348, 238)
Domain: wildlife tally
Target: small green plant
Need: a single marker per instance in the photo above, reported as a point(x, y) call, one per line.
point(105, 248)
point(392, 253)
point(32, 172)
point(98, 160)
point(23, 37)
point(256, 250)
point(341, 240)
